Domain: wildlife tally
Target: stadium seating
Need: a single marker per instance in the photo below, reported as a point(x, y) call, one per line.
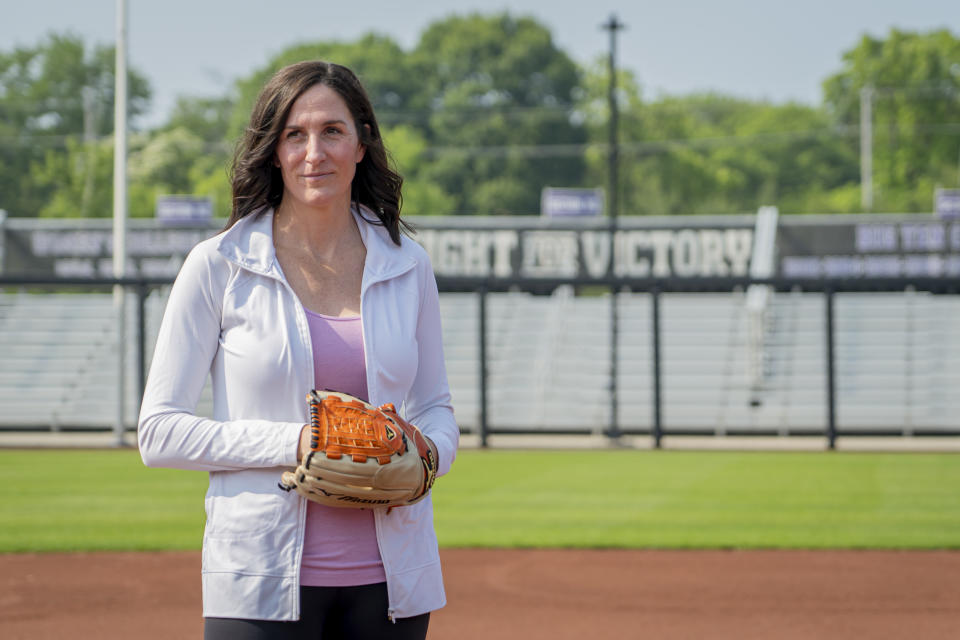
point(897, 362)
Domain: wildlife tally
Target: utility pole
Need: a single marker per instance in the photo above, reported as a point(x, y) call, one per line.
point(613, 160)
point(120, 208)
point(866, 148)
point(89, 140)
point(613, 26)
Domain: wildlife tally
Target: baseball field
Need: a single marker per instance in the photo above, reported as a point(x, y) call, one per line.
point(536, 544)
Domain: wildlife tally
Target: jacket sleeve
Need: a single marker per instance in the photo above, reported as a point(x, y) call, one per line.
point(169, 433)
point(429, 405)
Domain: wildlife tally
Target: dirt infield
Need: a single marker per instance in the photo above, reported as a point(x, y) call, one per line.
point(531, 595)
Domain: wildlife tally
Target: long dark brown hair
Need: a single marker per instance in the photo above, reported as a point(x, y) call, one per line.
point(257, 183)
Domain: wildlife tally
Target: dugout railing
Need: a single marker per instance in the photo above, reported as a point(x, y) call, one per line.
point(655, 288)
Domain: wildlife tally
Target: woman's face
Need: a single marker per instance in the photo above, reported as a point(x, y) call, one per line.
point(318, 150)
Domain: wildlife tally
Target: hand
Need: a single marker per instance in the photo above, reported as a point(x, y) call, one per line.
point(356, 440)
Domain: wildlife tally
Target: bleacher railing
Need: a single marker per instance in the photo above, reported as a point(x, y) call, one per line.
point(654, 287)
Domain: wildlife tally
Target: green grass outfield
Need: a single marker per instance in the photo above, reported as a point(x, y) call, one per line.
point(107, 500)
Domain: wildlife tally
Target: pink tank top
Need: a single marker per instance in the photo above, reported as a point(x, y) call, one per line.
point(340, 546)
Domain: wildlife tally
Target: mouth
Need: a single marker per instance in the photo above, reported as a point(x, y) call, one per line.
point(316, 175)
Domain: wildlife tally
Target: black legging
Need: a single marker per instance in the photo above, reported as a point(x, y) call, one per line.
point(327, 613)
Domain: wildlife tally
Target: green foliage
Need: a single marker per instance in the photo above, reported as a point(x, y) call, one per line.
point(496, 82)
point(175, 161)
point(51, 94)
point(201, 144)
point(50, 89)
point(471, 82)
point(377, 60)
point(915, 78)
point(79, 179)
point(708, 153)
point(486, 110)
point(206, 118)
point(421, 196)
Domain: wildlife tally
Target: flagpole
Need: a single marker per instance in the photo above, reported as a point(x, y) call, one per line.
point(120, 208)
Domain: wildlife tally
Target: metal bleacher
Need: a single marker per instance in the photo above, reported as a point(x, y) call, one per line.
point(897, 362)
point(55, 365)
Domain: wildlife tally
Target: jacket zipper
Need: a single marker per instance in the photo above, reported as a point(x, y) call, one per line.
point(301, 321)
point(378, 515)
point(302, 511)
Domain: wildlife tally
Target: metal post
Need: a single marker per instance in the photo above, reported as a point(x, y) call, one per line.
point(3, 237)
point(119, 308)
point(483, 366)
point(614, 430)
point(866, 148)
point(120, 208)
point(831, 382)
point(657, 399)
point(142, 292)
point(613, 25)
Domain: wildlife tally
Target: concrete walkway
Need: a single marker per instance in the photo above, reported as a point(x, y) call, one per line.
point(109, 440)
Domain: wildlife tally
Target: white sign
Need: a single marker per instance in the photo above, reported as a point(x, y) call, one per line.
point(946, 204)
point(178, 210)
point(563, 203)
point(86, 253)
point(556, 253)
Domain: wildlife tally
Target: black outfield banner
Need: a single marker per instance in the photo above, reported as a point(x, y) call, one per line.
point(529, 247)
point(84, 248)
point(498, 247)
point(868, 246)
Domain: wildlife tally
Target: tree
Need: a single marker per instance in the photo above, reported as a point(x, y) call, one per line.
point(708, 153)
point(468, 105)
point(499, 93)
point(205, 117)
point(77, 180)
point(421, 196)
point(176, 161)
point(51, 94)
point(197, 152)
point(915, 79)
point(377, 60)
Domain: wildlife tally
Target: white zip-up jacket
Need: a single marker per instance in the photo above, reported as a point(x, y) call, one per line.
point(231, 314)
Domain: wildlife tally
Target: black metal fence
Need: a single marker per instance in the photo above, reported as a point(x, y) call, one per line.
point(141, 287)
point(655, 288)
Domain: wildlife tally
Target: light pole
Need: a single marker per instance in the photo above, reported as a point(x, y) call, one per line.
point(866, 148)
point(613, 26)
point(120, 207)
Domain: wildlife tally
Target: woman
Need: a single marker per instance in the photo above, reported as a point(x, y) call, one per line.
point(311, 285)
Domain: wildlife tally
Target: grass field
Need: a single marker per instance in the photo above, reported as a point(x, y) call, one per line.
point(107, 500)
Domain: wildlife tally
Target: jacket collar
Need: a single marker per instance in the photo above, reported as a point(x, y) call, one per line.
point(385, 259)
point(249, 244)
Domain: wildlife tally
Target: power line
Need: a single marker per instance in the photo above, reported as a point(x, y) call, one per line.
point(560, 150)
point(555, 150)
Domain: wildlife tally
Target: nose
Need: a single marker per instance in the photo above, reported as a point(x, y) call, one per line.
point(315, 150)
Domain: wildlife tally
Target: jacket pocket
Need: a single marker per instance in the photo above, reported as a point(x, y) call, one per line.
point(243, 502)
point(410, 539)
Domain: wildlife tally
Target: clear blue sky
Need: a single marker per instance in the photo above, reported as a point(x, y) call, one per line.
point(769, 49)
